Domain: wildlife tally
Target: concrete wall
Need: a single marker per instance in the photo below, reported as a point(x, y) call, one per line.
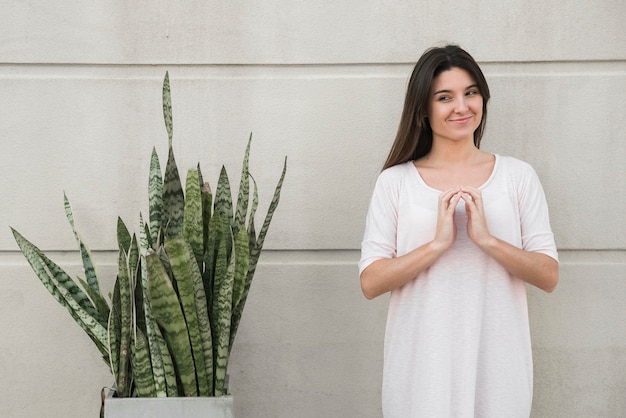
point(322, 82)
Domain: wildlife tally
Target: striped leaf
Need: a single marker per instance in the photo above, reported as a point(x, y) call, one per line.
point(66, 292)
point(168, 314)
point(126, 297)
point(207, 204)
point(88, 266)
point(133, 263)
point(192, 298)
point(253, 208)
point(207, 271)
point(244, 192)
point(98, 300)
point(224, 328)
point(152, 329)
point(193, 228)
point(223, 198)
point(167, 107)
point(217, 257)
point(272, 208)
point(173, 200)
point(142, 369)
point(155, 197)
point(255, 252)
point(123, 236)
point(171, 382)
point(114, 332)
point(242, 263)
point(215, 237)
point(222, 308)
point(204, 327)
point(54, 278)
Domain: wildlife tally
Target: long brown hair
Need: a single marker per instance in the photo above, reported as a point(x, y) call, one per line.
point(415, 137)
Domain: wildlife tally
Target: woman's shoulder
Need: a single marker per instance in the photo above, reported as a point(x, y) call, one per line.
point(394, 177)
point(401, 169)
point(514, 165)
point(517, 172)
point(397, 171)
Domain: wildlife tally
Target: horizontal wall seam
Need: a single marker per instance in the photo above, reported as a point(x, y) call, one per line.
point(309, 257)
point(295, 71)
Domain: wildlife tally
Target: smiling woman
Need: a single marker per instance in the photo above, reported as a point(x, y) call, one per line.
point(455, 233)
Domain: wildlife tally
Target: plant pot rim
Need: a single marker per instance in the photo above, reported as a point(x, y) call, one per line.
point(188, 407)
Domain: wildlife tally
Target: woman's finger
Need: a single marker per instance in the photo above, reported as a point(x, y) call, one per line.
point(446, 195)
point(453, 202)
point(474, 193)
point(469, 199)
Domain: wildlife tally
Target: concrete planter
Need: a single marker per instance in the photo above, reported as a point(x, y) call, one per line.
point(221, 407)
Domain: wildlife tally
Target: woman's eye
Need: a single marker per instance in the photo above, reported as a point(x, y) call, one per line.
point(472, 93)
point(443, 98)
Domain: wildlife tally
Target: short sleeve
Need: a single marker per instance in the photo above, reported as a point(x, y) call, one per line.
point(536, 233)
point(379, 239)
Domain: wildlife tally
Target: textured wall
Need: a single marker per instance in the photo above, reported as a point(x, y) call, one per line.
point(322, 82)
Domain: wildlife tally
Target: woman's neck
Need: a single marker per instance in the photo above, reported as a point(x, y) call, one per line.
point(452, 153)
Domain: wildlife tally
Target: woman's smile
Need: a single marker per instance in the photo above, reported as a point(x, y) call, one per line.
point(463, 120)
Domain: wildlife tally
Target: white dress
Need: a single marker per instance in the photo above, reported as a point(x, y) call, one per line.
point(457, 341)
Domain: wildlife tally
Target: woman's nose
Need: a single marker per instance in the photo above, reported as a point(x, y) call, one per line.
point(461, 106)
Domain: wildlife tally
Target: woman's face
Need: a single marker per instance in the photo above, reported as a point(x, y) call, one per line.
point(455, 106)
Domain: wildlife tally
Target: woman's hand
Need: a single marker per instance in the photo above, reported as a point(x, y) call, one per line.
point(535, 268)
point(477, 228)
point(446, 229)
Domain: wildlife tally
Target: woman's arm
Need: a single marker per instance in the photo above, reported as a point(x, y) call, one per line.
point(388, 274)
point(535, 268)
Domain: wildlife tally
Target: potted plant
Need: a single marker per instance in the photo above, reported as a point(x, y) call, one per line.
point(168, 327)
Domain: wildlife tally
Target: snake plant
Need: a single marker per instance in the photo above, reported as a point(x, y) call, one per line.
point(168, 327)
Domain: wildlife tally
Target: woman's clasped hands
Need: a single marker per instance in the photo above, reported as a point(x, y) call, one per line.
point(477, 229)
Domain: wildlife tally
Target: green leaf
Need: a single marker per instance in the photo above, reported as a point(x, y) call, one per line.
point(255, 251)
point(244, 192)
point(193, 300)
point(223, 198)
point(272, 208)
point(126, 298)
point(152, 330)
point(222, 308)
point(193, 228)
point(133, 263)
point(253, 208)
point(115, 332)
point(123, 236)
point(216, 229)
point(173, 196)
point(98, 300)
point(171, 382)
point(167, 312)
point(155, 197)
point(66, 292)
point(167, 107)
point(142, 370)
point(173, 200)
point(88, 266)
point(242, 263)
point(207, 203)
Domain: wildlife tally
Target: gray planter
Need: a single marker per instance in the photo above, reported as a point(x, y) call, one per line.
point(201, 407)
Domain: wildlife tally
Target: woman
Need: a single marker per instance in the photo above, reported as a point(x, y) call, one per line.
point(455, 233)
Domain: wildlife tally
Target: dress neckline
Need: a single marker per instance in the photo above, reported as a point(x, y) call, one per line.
point(481, 187)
